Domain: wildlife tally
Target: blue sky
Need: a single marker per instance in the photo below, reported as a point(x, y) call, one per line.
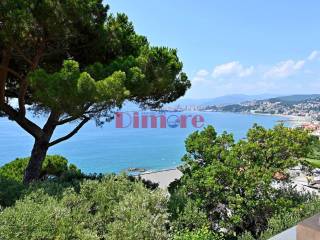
point(232, 47)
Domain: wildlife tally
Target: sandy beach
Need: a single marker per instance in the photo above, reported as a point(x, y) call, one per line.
point(163, 177)
point(295, 121)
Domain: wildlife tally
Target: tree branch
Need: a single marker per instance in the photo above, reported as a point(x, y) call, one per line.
point(24, 84)
point(22, 54)
point(14, 73)
point(71, 134)
point(6, 55)
point(21, 98)
point(67, 120)
point(25, 123)
point(73, 118)
point(50, 125)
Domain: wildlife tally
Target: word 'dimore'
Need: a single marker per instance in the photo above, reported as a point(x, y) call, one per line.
point(143, 120)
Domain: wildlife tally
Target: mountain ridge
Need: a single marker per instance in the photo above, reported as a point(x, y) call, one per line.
point(222, 100)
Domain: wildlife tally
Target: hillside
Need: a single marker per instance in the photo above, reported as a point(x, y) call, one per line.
point(222, 100)
point(294, 99)
point(297, 105)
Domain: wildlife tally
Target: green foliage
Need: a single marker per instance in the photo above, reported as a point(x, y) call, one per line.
point(14, 170)
point(200, 234)
point(11, 176)
point(231, 182)
point(24, 19)
point(287, 219)
point(278, 148)
point(246, 236)
point(51, 30)
point(190, 217)
point(313, 158)
point(69, 90)
point(53, 165)
point(312, 163)
point(113, 208)
point(10, 191)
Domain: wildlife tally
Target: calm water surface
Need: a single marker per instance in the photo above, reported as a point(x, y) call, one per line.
point(110, 149)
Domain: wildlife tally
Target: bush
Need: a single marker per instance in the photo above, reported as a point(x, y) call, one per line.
point(113, 208)
point(232, 182)
point(190, 217)
point(53, 165)
point(11, 176)
point(287, 219)
point(10, 191)
point(200, 234)
point(246, 236)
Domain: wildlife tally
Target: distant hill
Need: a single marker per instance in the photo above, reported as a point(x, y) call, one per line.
point(223, 100)
point(294, 99)
point(234, 99)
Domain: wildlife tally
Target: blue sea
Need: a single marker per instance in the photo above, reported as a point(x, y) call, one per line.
point(109, 149)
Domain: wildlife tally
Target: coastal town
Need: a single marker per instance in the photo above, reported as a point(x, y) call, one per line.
point(305, 114)
point(301, 111)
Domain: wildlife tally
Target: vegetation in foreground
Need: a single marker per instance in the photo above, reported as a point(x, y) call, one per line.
point(112, 208)
point(226, 192)
point(313, 158)
point(231, 186)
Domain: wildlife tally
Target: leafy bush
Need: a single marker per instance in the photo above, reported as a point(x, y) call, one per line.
point(113, 208)
point(287, 219)
point(11, 176)
point(200, 234)
point(246, 236)
point(231, 182)
point(190, 217)
point(53, 165)
point(10, 191)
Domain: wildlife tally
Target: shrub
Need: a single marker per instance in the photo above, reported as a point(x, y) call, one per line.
point(200, 234)
point(232, 182)
point(53, 165)
point(190, 217)
point(112, 208)
point(10, 191)
point(287, 219)
point(246, 236)
point(284, 220)
point(11, 176)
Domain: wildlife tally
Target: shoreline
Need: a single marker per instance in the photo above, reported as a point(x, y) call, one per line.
point(293, 119)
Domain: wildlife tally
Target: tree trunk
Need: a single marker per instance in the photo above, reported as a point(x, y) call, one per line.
point(38, 155)
point(40, 149)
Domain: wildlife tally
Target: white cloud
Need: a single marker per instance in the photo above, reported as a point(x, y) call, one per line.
point(202, 73)
point(284, 69)
point(297, 76)
point(246, 72)
point(200, 76)
point(232, 69)
point(314, 55)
